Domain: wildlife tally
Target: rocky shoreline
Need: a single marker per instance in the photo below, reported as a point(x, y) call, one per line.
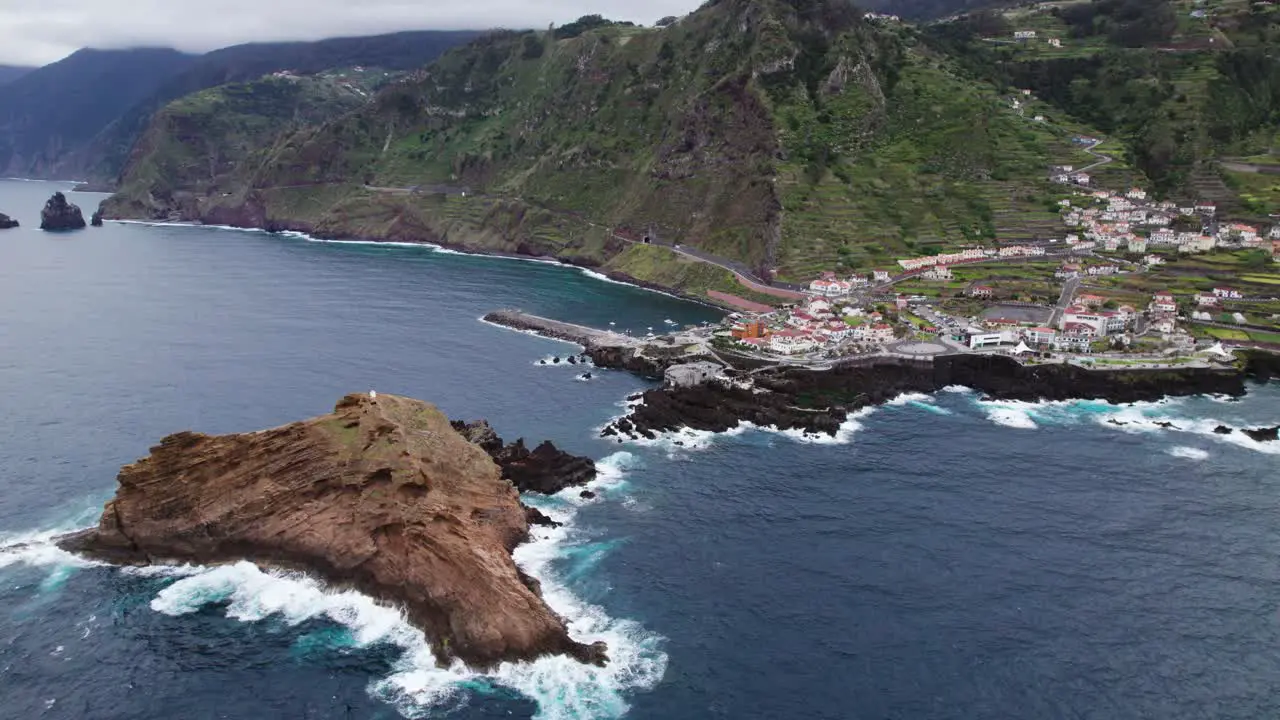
point(385, 495)
point(818, 402)
point(251, 217)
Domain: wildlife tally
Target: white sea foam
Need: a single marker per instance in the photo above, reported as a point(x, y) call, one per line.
point(37, 549)
point(920, 401)
point(1012, 417)
point(1190, 453)
point(907, 398)
point(688, 439)
point(418, 687)
point(1153, 417)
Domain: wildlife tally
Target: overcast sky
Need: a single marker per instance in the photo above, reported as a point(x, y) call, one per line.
point(37, 32)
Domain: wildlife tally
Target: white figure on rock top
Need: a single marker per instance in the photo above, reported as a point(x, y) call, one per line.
point(373, 394)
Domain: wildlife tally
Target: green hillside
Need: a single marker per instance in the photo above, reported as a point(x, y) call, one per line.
point(792, 136)
point(1180, 84)
point(198, 146)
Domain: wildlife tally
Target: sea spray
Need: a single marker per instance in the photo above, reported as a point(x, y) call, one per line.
point(1189, 453)
point(418, 686)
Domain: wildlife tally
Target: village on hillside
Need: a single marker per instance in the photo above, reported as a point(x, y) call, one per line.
point(1094, 295)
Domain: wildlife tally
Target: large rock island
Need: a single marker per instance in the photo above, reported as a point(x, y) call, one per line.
point(384, 495)
point(7, 222)
point(58, 214)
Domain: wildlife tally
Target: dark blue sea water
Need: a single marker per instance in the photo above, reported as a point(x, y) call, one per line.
point(947, 558)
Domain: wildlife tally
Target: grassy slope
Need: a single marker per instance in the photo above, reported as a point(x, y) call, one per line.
point(197, 146)
point(786, 134)
point(1175, 105)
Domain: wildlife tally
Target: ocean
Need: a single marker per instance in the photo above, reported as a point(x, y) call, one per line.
point(944, 557)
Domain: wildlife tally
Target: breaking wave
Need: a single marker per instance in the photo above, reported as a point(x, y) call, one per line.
point(417, 686)
point(1167, 415)
point(1190, 453)
point(688, 439)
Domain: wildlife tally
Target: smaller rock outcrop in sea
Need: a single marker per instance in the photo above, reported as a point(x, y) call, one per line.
point(58, 214)
point(96, 220)
point(383, 495)
point(1270, 434)
point(7, 222)
point(546, 469)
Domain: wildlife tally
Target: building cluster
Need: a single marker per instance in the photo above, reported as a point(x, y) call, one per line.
point(1080, 327)
point(814, 326)
point(1129, 222)
point(830, 286)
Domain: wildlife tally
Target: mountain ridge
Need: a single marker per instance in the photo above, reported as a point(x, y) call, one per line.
point(79, 117)
point(789, 136)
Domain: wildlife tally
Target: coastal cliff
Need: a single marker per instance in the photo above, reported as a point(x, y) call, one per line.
point(818, 401)
point(383, 495)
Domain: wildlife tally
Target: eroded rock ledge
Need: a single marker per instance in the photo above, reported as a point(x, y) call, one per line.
point(819, 401)
point(383, 495)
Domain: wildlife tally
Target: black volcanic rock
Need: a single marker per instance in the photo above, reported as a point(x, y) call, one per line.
point(1263, 434)
point(546, 469)
point(1222, 430)
point(7, 222)
point(96, 220)
point(818, 402)
point(58, 214)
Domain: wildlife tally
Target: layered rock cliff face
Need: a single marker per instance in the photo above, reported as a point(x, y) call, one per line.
point(7, 222)
point(382, 495)
point(58, 214)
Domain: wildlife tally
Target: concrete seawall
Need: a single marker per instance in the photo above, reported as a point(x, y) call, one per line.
point(587, 337)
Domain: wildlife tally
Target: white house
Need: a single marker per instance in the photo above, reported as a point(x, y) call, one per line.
point(938, 272)
point(1040, 335)
point(1206, 208)
point(791, 342)
point(1081, 178)
point(881, 276)
point(1164, 236)
point(981, 339)
point(1164, 324)
point(1200, 243)
point(880, 333)
point(1164, 303)
point(1207, 300)
point(818, 307)
point(1024, 34)
point(1055, 42)
point(1226, 292)
point(1075, 337)
point(1152, 260)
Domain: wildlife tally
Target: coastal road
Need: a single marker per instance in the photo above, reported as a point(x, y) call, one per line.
point(740, 271)
point(1069, 289)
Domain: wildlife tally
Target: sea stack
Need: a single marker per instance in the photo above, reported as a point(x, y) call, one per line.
point(7, 222)
point(383, 495)
point(96, 219)
point(58, 214)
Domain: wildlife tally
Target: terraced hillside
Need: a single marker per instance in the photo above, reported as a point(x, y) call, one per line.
point(790, 135)
point(1180, 83)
